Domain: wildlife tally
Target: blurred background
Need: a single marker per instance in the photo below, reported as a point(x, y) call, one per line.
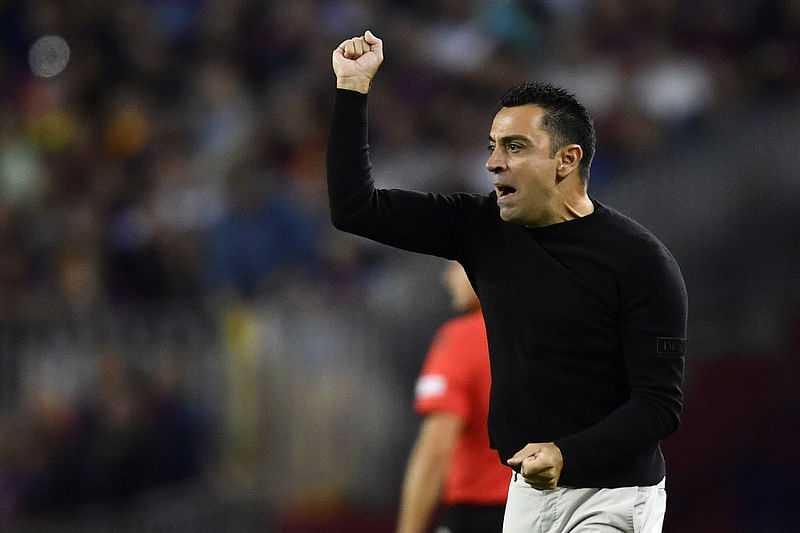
point(187, 345)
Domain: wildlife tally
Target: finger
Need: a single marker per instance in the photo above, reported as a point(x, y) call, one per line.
point(347, 48)
point(340, 50)
point(361, 46)
point(358, 47)
point(533, 466)
point(539, 482)
point(365, 45)
point(538, 476)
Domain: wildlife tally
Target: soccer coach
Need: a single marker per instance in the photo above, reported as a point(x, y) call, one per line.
point(585, 309)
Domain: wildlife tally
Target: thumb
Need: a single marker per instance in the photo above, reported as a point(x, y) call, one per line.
point(530, 450)
point(370, 38)
point(519, 457)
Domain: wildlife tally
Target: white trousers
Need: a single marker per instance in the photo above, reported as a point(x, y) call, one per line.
point(568, 510)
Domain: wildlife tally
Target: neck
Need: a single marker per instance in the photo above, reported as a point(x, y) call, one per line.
point(572, 197)
point(579, 207)
point(563, 209)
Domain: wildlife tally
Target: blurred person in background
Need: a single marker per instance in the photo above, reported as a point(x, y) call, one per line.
point(451, 461)
point(585, 309)
point(261, 239)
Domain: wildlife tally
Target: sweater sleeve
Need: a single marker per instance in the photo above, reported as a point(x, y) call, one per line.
point(653, 334)
point(428, 223)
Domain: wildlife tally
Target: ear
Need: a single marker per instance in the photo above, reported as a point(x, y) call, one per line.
point(569, 157)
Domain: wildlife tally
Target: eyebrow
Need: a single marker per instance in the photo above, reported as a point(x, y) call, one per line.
point(512, 138)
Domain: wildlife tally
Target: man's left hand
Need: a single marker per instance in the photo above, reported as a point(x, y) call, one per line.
point(540, 464)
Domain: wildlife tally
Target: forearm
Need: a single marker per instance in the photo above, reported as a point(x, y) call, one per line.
point(628, 432)
point(422, 490)
point(347, 158)
point(426, 472)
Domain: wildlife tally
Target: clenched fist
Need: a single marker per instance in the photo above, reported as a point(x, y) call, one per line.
point(540, 464)
point(356, 61)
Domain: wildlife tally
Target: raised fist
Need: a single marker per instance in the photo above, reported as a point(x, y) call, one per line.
point(356, 61)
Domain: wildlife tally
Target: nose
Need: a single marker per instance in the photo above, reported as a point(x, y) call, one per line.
point(496, 162)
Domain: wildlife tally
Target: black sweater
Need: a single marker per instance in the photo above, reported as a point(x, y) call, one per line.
point(586, 319)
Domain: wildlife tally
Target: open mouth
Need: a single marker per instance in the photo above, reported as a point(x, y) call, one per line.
point(504, 190)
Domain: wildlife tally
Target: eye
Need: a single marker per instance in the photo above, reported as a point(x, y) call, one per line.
point(490, 148)
point(513, 147)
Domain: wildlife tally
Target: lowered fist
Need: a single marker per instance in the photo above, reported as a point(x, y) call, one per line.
point(540, 464)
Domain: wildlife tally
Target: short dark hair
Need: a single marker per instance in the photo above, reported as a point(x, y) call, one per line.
point(565, 119)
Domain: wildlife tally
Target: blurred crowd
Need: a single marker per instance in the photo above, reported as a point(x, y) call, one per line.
point(178, 162)
point(131, 432)
point(147, 169)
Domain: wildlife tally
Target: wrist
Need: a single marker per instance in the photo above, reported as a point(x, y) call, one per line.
point(360, 85)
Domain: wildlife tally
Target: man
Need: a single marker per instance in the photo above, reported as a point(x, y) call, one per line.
point(585, 310)
point(451, 460)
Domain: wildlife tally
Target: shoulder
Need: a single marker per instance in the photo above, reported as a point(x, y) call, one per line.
point(632, 240)
point(645, 266)
point(625, 227)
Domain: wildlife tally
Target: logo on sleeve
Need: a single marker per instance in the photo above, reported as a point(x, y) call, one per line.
point(431, 386)
point(671, 345)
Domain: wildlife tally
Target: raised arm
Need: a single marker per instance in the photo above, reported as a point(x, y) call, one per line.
point(421, 222)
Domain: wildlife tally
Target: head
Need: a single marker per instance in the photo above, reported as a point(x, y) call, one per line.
point(541, 144)
point(462, 296)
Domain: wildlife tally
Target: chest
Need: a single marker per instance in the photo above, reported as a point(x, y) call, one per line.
point(547, 288)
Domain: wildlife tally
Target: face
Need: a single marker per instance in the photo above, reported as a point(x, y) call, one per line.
point(523, 172)
point(462, 295)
